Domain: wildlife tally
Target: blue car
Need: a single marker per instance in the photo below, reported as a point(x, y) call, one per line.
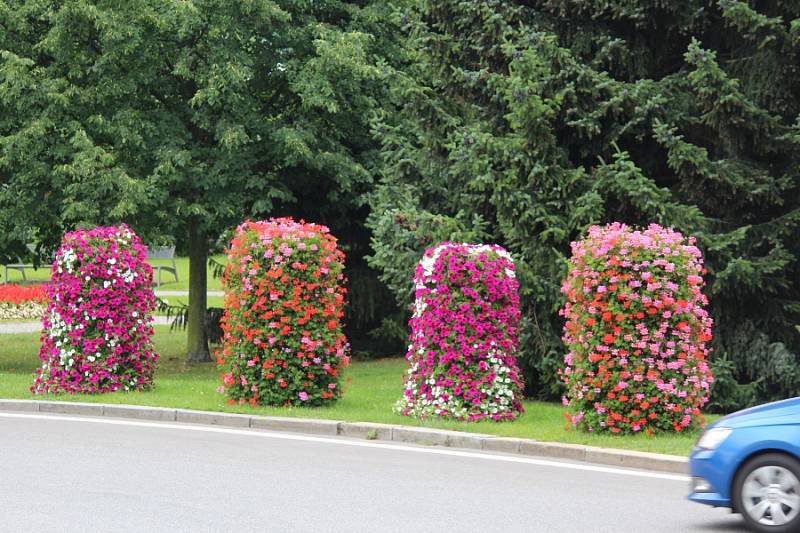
point(750, 461)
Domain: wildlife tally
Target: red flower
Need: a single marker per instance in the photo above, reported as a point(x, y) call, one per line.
point(281, 273)
point(17, 294)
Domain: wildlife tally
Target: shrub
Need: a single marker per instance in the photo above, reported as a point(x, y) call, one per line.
point(636, 331)
point(18, 302)
point(97, 329)
point(464, 336)
point(284, 299)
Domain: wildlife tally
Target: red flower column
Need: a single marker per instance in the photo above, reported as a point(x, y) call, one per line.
point(284, 299)
point(636, 331)
point(97, 330)
point(464, 336)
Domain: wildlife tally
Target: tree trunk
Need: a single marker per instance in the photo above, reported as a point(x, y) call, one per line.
point(197, 337)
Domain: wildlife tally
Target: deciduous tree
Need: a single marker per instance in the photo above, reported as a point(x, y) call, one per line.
point(182, 118)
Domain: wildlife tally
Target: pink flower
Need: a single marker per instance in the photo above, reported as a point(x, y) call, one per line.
point(648, 320)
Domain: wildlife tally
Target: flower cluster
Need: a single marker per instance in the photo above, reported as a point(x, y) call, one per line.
point(97, 329)
point(19, 302)
point(636, 331)
point(284, 299)
point(464, 336)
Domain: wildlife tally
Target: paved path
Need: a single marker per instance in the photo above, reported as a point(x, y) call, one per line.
point(65, 474)
point(34, 326)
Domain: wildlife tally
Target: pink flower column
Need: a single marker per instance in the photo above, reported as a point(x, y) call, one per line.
point(97, 329)
point(464, 336)
point(637, 331)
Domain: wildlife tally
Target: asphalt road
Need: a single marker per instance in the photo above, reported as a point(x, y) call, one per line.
point(64, 474)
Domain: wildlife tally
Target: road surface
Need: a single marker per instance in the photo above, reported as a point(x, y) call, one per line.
point(63, 474)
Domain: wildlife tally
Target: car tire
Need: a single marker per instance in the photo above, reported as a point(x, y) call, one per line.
point(766, 491)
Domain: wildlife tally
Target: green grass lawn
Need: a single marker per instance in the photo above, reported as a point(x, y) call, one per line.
point(168, 281)
point(369, 397)
point(213, 301)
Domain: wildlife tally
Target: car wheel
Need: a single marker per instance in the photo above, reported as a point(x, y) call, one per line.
point(766, 490)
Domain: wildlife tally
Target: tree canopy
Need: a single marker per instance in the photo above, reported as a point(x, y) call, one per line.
point(182, 118)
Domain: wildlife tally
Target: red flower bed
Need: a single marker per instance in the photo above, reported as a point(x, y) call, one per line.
point(284, 299)
point(18, 294)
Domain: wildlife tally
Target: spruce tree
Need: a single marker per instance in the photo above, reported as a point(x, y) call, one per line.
point(523, 122)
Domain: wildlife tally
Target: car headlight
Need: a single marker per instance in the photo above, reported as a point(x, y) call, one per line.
point(711, 439)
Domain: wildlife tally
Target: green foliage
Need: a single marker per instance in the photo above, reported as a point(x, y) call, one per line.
point(177, 115)
point(523, 122)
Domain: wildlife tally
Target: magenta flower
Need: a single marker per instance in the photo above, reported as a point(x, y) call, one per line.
point(464, 336)
point(97, 329)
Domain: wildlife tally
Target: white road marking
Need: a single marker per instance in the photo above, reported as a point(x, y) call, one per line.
point(366, 444)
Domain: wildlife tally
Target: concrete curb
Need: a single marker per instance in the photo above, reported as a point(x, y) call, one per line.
point(366, 430)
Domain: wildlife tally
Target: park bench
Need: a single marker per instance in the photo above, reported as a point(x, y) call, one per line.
point(20, 266)
point(163, 252)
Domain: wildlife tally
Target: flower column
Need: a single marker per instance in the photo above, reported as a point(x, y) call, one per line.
point(284, 300)
point(464, 336)
point(636, 331)
point(97, 329)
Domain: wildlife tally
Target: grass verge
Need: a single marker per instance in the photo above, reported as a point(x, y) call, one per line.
point(371, 389)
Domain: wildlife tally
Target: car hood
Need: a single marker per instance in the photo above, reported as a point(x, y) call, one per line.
point(782, 412)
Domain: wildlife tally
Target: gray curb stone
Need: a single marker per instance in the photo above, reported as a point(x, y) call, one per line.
point(423, 436)
point(502, 444)
point(140, 413)
point(633, 459)
point(19, 405)
point(475, 441)
point(573, 452)
point(296, 425)
point(212, 419)
point(71, 408)
point(365, 430)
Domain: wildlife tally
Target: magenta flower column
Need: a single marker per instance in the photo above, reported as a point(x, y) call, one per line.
point(464, 336)
point(97, 329)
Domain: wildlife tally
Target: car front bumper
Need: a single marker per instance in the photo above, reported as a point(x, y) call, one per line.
point(709, 483)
